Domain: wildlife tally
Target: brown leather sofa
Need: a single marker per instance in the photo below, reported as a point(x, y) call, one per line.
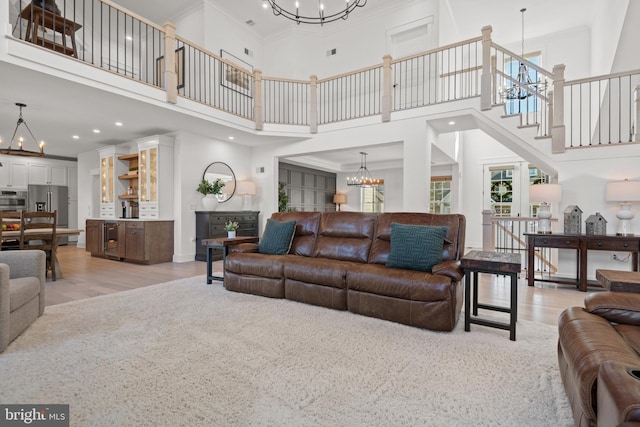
point(337, 260)
point(599, 359)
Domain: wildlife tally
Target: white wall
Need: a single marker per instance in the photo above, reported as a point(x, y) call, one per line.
point(605, 34)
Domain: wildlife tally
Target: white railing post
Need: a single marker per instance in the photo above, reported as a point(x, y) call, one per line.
point(313, 107)
point(558, 134)
point(488, 231)
point(258, 115)
point(387, 86)
point(636, 97)
point(485, 79)
point(170, 78)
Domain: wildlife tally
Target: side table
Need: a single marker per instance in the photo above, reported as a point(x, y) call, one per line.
point(619, 281)
point(222, 243)
point(498, 263)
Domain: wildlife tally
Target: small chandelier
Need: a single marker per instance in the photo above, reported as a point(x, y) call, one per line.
point(363, 178)
point(523, 87)
point(20, 151)
point(322, 18)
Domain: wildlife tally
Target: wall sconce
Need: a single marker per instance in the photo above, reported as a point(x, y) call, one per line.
point(545, 194)
point(624, 192)
point(339, 199)
point(246, 189)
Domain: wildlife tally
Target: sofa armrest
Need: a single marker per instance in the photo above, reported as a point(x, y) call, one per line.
point(25, 263)
point(618, 394)
point(617, 307)
point(243, 248)
point(449, 268)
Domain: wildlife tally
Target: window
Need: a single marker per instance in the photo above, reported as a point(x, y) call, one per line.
point(501, 190)
point(372, 199)
point(530, 104)
point(440, 194)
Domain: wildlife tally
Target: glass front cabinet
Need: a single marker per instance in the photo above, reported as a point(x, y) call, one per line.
point(155, 177)
point(110, 185)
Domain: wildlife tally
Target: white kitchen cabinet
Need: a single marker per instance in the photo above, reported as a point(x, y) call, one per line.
point(155, 177)
point(47, 174)
point(13, 173)
point(110, 185)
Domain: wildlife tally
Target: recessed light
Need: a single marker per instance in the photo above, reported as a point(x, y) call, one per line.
point(129, 38)
point(96, 131)
point(118, 123)
point(452, 122)
point(231, 138)
point(265, 5)
point(75, 137)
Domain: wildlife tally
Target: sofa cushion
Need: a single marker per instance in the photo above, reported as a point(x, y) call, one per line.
point(617, 307)
point(277, 237)
point(307, 224)
point(398, 283)
point(22, 290)
point(345, 236)
point(256, 264)
point(321, 271)
point(454, 240)
point(416, 247)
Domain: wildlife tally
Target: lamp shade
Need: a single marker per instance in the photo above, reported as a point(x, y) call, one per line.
point(339, 199)
point(623, 191)
point(550, 193)
point(246, 187)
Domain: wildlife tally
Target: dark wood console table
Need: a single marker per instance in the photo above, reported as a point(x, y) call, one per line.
point(581, 243)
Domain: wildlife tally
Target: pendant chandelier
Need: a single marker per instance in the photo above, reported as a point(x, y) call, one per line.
point(20, 150)
point(324, 15)
point(363, 178)
point(523, 87)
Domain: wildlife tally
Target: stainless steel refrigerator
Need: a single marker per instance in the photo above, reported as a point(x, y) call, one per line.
point(49, 198)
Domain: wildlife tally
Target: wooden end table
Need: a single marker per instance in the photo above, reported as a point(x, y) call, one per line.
point(222, 243)
point(619, 281)
point(498, 263)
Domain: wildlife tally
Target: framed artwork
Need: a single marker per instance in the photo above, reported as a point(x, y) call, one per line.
point(233, 78)
point(179, 68)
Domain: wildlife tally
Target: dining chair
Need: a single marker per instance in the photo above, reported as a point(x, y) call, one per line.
point(38, 231)
point(8, 220)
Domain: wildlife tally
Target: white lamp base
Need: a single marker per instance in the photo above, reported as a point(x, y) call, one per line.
point(625, 215)
point(246, 202)
point(544, 219)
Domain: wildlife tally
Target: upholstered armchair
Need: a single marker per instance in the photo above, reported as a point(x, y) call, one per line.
point(22, 276)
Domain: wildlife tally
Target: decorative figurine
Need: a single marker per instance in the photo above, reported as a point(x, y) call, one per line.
point(573, 220)
point(596, 225)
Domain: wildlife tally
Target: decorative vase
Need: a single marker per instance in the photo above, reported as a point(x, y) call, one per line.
point(210, 202)
point(231, 234)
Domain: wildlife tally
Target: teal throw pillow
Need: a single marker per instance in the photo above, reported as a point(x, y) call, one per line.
point(277, 237)
point(416, 247)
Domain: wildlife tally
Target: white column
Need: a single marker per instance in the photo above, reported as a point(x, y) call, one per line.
point(313, 104)
point(488, 233)
point(258, 115)
point(636, 97)
point(387, 83)
point(558, 130)
point(485, 79)
point(170, 76)
point(416, 174)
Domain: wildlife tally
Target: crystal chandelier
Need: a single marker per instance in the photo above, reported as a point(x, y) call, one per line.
point(20, 151)
point(362, 177)
point(323, 15)
point(523, 87)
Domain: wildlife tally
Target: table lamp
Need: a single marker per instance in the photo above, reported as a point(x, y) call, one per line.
point(339, 199)
point(246, 189)
point(624, 192)
point(545, 194)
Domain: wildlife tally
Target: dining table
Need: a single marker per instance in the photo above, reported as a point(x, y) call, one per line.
point(9, 235)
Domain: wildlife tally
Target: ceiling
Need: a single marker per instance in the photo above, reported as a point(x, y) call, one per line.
point(68, 108)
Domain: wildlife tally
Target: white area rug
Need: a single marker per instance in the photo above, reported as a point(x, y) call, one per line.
point(184, 353)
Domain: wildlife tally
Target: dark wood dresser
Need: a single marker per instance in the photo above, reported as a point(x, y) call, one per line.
point(210, 224)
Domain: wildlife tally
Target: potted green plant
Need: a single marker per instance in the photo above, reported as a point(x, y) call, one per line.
point(210, 190)
point(231, 227)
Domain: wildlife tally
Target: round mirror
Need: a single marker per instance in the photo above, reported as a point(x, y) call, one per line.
point(219, 170)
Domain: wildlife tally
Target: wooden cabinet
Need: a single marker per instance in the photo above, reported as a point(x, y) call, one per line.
point(47, 174)
point(148, 242)
point(155, 177)
point(14, 173)
point(211, 224)
point(94, 230)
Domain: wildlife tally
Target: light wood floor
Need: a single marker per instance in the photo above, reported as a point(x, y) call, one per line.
point(86, 277)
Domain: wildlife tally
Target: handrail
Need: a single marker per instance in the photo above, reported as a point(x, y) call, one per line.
point(438, 49)
point(601, 77)
point(133, 15)
point(350, 73)
point(523, 60)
